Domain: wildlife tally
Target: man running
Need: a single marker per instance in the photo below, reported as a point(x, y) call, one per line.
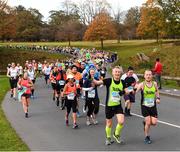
point(130, 79)
point(150, 97)
point(115, 90)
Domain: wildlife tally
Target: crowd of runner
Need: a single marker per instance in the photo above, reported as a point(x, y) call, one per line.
point(78, 79)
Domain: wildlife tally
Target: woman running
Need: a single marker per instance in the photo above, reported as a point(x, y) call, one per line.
point(25, 84)
point(70, 91)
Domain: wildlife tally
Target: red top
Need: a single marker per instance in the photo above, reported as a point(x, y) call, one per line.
point(70, 88)
point(25, 83)
point(59, 76)
point(158, 68)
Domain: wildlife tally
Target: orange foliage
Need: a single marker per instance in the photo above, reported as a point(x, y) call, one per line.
point(102, 27)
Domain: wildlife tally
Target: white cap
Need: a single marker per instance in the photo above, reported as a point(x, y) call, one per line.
point(70, 76)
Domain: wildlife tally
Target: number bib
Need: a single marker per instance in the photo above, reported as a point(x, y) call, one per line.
point(115, 97)
point(149, 102)
point(71, 96)
point(130, 88)
point(61, 82)
point(91, 94)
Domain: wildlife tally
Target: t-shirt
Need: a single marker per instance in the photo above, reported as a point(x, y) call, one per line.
point(129, 81)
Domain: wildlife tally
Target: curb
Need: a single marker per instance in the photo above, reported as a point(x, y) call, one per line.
point(170, 94)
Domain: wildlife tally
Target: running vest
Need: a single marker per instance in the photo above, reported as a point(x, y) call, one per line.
point(31, 74)
point(114, 97)
point(13, 72)
point(149, 95)
point(71, 92)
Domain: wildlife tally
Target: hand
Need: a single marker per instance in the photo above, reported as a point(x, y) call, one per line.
point(158, 101)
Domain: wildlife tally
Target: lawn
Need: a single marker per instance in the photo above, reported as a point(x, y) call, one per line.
point(9, 141)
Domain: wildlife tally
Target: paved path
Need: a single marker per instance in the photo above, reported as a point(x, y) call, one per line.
point(45, 128)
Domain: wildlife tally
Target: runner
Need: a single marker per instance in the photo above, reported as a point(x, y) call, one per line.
point(61, 79)
point(25, 84)
point(115, 90)
point(47, 71)
point(150, 97)
point(130, 79)
point(78, 80)
point(92, 99)
point(70, 91)
point(32, 76)
point(12, 73)
point(53, 76)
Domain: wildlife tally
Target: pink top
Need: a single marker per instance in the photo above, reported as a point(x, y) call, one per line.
point(25, 83)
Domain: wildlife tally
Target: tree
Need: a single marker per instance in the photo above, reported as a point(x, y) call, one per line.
point(131, 21)
point(152, 22)
point(101, 28)
point(171, 12)
point(29, 23)
point(7, 21)
point(69, 31)
point(88, 9)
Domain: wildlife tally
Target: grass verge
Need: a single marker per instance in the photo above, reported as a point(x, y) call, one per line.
point(9, 140)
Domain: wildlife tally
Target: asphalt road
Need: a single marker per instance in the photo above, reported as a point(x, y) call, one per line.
point(45, 128)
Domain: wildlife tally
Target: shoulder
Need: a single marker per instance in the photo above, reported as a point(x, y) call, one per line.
point(123, 77)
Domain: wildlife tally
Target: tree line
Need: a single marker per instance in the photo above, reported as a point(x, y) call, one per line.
point(91, 20)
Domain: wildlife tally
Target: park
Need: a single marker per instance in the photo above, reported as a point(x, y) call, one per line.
point(138, 36)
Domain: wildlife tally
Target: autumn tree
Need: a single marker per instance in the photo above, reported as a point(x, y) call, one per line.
point(101, 28)
point(152, 21)
point(7, 21)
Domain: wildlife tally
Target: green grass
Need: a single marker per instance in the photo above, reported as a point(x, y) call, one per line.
point(9, 140)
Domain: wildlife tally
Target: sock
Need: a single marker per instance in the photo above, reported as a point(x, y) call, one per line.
point(32, 92)
point(126, 109)
point(108, 132)
point(118, 129)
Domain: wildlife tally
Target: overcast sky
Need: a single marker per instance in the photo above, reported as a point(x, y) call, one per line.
point(44, 6)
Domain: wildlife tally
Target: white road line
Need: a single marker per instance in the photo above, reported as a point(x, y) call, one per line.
point(162, 122)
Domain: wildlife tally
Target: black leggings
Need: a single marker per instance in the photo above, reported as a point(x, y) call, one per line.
point(71, 104)
point(93, 106)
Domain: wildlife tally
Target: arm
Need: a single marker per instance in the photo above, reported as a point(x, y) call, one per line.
point(157, 93)
point(139, 87)
point(98, 83)
point(8, 73)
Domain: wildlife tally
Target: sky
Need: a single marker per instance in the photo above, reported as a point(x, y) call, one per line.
point(44, 6)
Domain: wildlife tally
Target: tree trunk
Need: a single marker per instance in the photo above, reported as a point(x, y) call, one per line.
point(119, 38)
point(102, 45)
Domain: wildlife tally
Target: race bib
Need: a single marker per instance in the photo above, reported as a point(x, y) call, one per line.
point(149, 102)
point(91, 94)
point(115, 97)
point(61, 82)
point(71, 96)
point(130, 88)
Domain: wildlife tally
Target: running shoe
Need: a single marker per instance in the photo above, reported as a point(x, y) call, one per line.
point(88, 123)
point(75, 126)
point(26, 115)
point(118, 139)
point(95, 122)
point(108, 141)
point(147, 140)
point(84, 109)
